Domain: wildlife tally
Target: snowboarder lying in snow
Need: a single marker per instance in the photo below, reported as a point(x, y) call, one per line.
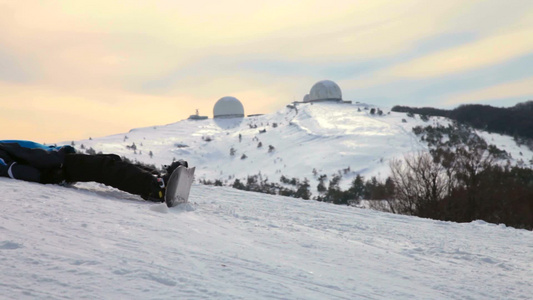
point(35, 162)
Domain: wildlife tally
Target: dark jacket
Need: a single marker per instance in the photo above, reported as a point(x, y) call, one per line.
point(32, 161)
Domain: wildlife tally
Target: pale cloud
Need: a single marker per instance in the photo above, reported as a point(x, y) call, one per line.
point(485, 52)
point(494, 46)
point(344, 30)
point(520, 88)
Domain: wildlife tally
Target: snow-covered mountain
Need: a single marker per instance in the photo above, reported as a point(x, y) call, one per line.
point(94, 242)
point(326, 137)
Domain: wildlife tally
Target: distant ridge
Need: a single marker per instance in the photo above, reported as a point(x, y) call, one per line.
point(515, 121)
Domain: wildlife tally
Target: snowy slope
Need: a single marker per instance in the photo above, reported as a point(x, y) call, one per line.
point(328, 137)
point(93, 242)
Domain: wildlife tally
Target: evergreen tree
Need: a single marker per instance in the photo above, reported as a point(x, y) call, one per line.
point(321, 187)
point(303, 190)
point(357, 189)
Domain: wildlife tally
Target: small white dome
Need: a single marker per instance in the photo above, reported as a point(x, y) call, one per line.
point(228, 107)
point(325, 90)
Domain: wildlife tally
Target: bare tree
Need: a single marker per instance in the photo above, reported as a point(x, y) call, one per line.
point(420, 184)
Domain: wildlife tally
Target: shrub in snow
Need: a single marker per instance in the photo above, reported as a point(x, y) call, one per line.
point(132, 147)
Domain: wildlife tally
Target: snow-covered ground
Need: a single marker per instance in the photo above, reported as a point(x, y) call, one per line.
point(93, 242)
point(90, 241)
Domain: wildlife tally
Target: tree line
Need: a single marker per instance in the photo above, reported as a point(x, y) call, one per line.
point(516, 121)
point(461, 179)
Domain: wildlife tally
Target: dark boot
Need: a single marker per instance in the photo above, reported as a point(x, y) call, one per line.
point(158, 190)
point(172, 167)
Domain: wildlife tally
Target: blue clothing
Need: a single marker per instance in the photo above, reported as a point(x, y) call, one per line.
point(31, 161)
point(32, 145)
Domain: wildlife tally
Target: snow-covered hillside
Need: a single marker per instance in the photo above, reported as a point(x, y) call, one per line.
point(90, 241)
point(327, 137)
point(93, 242)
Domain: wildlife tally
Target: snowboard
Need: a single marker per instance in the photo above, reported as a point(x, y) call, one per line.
point(179, 186)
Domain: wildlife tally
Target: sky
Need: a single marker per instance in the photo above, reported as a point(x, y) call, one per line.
point(71, 70)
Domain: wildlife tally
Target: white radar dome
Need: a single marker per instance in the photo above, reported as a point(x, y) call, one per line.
point(228, 107)
point(325, 90)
